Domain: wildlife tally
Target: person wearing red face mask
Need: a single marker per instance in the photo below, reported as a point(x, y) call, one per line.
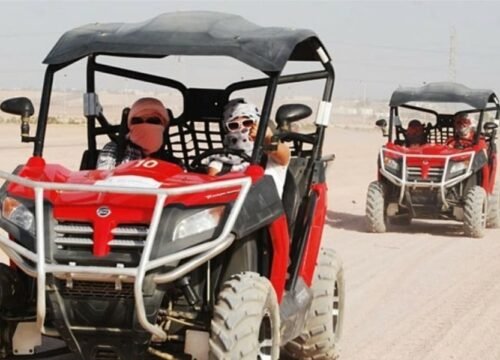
point(147, 121)
point(464, 132)
point(415, 134)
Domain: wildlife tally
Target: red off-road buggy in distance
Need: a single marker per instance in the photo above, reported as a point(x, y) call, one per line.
point(155, 259)
point(441, 178)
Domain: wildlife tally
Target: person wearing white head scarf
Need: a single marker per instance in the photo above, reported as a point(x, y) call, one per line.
point(241, 122)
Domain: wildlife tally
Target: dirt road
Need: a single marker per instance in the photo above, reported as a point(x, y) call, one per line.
point(424, 292)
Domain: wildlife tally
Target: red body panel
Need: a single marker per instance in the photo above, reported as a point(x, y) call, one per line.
point(281, 250)
point(311, 250)
point(488, 171)
point(493, 172)
point(428, 150)
point(79, 206)
point(169, 175)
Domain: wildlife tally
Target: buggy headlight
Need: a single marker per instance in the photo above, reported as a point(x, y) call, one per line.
point(203, 221)
point(392, 165)
point(18, 214)
point(458, 168)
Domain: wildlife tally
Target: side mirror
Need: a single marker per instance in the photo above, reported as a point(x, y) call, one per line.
point(18, 106)
point(382, 124)
point(489, 126)
point(289, 113)
point(23, 107)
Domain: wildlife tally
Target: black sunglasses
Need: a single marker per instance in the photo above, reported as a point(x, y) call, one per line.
point(155, 120)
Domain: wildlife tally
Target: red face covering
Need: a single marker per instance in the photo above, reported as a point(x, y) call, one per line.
point(147, 136)
point(463, 127)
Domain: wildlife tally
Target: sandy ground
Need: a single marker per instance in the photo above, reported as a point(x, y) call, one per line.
point(424, 292)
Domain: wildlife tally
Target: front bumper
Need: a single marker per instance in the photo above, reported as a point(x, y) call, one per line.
point(36, 265)
point(438, 177)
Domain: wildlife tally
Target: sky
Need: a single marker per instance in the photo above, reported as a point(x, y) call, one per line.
point(375, 46)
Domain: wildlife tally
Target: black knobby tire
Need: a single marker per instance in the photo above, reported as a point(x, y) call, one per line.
point(323, 329)
point(475, 212)
point(245, 323)
point(375, 208)
point(493, 218)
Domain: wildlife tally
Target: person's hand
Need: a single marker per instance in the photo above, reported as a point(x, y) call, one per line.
point(253, 132)
point(268, 136)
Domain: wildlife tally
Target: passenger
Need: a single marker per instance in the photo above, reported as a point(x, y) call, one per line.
point(241, 122)
point(463, 132)
point(147, 121)
point(415, 134)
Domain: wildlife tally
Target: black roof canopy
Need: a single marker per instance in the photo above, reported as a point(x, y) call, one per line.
point(190, 33)
point(443, 92)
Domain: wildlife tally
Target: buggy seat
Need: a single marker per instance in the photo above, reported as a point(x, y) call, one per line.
point(442, 131)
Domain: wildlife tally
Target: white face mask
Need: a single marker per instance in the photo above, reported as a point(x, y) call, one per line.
point(239, 140)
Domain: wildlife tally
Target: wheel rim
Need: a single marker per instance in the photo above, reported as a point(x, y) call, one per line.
point(265, 338)
point(335, 307)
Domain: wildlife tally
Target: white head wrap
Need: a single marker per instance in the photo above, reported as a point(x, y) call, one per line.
point(239, 139)
point(239, 108)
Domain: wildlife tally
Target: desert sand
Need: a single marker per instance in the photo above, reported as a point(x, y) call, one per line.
point(420, 292)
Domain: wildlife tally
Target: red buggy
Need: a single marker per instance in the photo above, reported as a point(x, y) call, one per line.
point(436, 179)
point(157, 259)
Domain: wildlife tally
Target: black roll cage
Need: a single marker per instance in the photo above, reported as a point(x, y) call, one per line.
point(394, 112)
point(272, 81)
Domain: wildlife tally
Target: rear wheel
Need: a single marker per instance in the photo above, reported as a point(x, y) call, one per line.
point(493, 218)
point(322, 331)
point(245, 323)
point(375, 208)
point(475, 212)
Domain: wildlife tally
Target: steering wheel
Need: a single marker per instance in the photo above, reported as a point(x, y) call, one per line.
point(196, 162)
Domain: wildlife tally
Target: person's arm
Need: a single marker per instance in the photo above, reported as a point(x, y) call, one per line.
point(107, 157)
point(281, 155)
point(214, 167)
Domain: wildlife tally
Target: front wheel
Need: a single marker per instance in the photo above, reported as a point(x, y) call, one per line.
point(475, 209)
point(375, 208)
point(493, 218)
point(323, 328)
point(245, 323)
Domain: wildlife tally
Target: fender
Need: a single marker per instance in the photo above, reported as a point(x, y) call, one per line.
point(306, 270)
point(486, 176)
point(493, 172)
point(281, 253)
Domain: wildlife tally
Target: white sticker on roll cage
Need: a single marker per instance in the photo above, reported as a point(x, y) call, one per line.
point(324, 111)
point(130, 181)
point(322, 55)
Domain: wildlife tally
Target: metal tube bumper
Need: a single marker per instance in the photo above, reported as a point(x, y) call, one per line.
point(198, 253)
point(443, 184)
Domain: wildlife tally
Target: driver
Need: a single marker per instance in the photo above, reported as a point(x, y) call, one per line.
point(241, 122)
point(147, 121)
point(415, 134)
